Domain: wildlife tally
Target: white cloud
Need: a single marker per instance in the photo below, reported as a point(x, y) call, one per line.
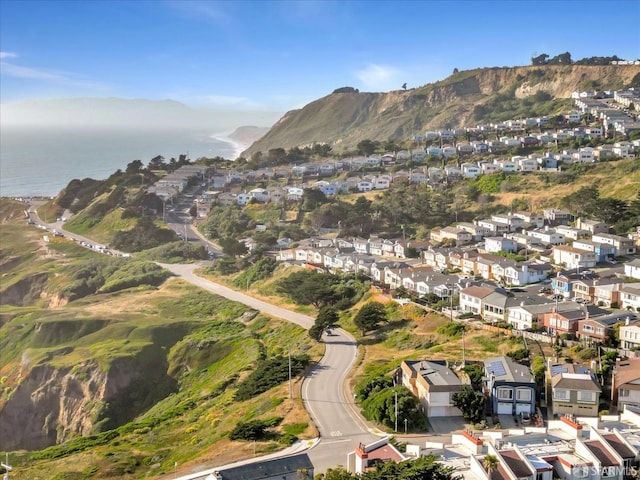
point(380, 77)
point(11, 69)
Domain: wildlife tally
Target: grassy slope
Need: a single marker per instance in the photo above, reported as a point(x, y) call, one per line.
point(205, 346)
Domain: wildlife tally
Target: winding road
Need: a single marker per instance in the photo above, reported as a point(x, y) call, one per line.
point(324, 391)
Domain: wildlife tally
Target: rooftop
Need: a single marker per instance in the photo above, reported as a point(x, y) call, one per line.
point(506, 370)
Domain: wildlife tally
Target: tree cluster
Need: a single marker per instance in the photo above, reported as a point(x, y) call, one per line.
point(143, 236)
point(370, 317)
point(280, 156)
point(421, 468)
point(308, 287)
point(270, 373)
point(378, 396)
point(544, 59)
point(587, 202)
point(471, 403)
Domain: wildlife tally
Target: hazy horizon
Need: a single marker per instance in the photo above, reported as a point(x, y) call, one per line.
point(111, 112)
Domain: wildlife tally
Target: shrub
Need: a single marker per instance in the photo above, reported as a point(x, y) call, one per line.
point(254, 429)
point(451, 329)
point(270, 373)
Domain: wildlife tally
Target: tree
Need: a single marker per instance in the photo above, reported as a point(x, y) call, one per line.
point(538, 368)
point(370, 316)
point(471, 403)
point(490, 463)
point(366, 147)
point(134, 167)
point(312, 198)
point(307, 287)
point(475, 372)
point(540, 59)
point(232, 247)
point(327, 318)
point(380, 407)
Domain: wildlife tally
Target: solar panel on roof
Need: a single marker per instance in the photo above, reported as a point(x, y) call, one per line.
point(555, 369)
point(497, 368)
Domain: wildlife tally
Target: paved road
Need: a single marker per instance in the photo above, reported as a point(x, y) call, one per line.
point(324, 392)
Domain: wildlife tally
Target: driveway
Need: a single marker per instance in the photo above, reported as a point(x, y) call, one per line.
point(445, 425)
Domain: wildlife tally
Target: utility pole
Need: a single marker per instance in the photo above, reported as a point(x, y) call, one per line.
point(396, 415)
point(290, 385)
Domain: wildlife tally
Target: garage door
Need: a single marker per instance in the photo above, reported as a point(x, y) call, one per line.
point(523, 407)
point(437, 412)
point(505, 409)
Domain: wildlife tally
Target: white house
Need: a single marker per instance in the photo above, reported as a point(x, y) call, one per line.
point(573, 258)
point(470, 170)
point(526, 273)
point(500, 244)
point(364, 186)
point(630, 297)
point(632, 269)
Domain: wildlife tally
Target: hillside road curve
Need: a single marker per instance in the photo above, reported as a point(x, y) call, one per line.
point(324, 391)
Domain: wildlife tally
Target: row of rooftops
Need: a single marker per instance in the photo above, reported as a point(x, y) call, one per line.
point(568, 448)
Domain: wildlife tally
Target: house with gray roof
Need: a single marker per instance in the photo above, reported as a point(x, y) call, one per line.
point(286, 468)
point(574, 390)
point(433, 383)
point(511, 386)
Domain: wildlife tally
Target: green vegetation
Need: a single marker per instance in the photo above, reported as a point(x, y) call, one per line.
point(471, 403)
point(370, 317)
point(175, 252)
point(253, 430)
point(380, 406)
point(423, 467)
point(270, 373)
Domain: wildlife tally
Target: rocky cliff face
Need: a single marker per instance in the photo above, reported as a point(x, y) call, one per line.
point(344, 119)
point(52, 404)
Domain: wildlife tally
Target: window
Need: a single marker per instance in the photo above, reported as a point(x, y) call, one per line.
point(586, 396)
point(624, 392)
point(523, 394)
point(559, 394)
point(587, 328)
point(505, 394)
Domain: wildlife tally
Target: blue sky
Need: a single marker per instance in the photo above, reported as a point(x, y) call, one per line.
point(259, 55)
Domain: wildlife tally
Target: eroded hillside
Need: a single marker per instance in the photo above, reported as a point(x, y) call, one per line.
point(344, 119)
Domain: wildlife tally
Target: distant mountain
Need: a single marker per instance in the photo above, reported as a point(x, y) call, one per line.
point(347, 116)
point(118, 112)
point(248, 134)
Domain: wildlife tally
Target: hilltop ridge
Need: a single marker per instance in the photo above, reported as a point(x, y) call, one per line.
point(347, 116)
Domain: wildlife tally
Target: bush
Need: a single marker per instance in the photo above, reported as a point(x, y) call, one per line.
point(270, 373)
point(452, 329)
point(254, 429)
point(587, 354)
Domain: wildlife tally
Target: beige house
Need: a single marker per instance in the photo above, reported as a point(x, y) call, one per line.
point(433, 383)
point(574, 390)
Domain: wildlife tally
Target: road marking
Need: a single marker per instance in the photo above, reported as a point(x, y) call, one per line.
point(336, 433)
point(337, 441)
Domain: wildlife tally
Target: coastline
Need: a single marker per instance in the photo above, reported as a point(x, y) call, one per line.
point(42, 161)
point(238, 147)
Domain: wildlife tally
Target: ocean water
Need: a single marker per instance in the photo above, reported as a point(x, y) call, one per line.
point(39, 161)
